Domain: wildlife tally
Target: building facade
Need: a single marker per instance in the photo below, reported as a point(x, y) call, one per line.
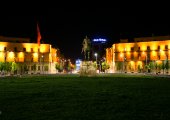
point(142, 55)
point(31, 58)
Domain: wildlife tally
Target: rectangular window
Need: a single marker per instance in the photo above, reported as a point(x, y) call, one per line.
point(132, 48)
point(148, 47)
point(24, 49)
point(139, 55)
point(15, 49)
point(148, 57)
point(132, 56)
point(166, 47)
point(159, 57)
point(38, 67)
point(28, 68)
point(138, 48)
point(32, 67)
point(158, 47)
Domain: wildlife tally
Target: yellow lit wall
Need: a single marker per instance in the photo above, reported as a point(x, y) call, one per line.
point(124, 49)
point(2, 56)
point(10, 57)
point(35, 57)
point(1, 48)
point(54, 54)
point(109, 55)
point(26, 52)
point(138, 52)
point(44, 48)
point(20, 57)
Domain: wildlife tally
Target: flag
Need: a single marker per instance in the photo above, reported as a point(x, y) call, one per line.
point(38, 35)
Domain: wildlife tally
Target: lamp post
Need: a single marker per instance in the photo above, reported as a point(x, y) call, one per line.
point(146, 59)
point(42, 64)
point(95, 54)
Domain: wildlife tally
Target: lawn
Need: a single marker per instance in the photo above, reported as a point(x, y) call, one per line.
point(85, 98)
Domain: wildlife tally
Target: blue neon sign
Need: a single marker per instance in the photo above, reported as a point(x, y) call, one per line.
point(100, 40)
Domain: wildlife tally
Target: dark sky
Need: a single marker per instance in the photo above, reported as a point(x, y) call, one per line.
point(66, 27)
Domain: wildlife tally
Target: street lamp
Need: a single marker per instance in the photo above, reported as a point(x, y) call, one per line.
point(96, 57)
point(42, 64)
point(95, 54)
point(146, 59)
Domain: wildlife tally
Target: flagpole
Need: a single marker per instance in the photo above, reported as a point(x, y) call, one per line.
point(38, 42)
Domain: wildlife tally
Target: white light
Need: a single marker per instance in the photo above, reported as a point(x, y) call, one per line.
point(95, 54)
point(99, 40)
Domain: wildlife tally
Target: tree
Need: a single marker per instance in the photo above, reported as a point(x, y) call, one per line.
point(105, 66)
point(151, 66)
point(163, 66)
point(1, 66)
point(139, 68)
point(158, 67)
point(167, 66)
point(59, 67)
point(119, 66)
point(68, 66)
point(8, 66)
point(14, 67)
point(130, 67)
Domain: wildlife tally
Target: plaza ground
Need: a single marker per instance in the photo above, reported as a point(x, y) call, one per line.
point(71, 97)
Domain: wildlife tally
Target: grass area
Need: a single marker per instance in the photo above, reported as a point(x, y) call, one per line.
point(85, 98)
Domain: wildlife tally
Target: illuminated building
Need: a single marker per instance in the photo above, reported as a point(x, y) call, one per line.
point(147, 53)
point(31, 57)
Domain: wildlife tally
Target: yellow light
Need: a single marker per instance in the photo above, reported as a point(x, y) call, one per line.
point(1, 48)
point(121, 55)
point(11, 54)
point(35, 55)
point(2, 56)
point(21, 55)
point(43, 48)
point(143, 53)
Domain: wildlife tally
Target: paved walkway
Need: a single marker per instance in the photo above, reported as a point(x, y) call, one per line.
point(98, 74)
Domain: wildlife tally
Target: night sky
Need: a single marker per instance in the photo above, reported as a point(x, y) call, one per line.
point(66, 27)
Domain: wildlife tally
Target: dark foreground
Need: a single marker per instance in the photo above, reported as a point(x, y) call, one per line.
point(85, 98)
